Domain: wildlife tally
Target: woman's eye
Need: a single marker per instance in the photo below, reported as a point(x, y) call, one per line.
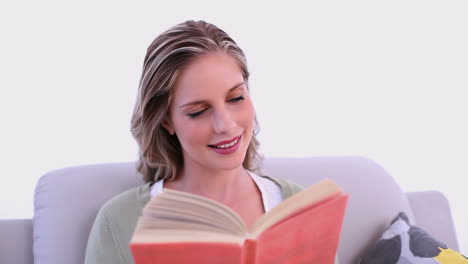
point(193, 115)
point(236, 99)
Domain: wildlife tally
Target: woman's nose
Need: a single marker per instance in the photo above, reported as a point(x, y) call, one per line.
point(223, 121)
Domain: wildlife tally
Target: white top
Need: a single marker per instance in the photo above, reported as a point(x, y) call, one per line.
point(270, 191)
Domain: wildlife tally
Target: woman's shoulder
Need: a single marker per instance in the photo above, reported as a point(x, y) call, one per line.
point(122, 211)
point(114, 225)
point(130, 200)
point(287, 188)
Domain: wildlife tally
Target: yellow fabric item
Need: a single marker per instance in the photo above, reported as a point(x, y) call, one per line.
point(450, 256)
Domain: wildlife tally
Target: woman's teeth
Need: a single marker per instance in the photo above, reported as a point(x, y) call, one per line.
point(228, 145)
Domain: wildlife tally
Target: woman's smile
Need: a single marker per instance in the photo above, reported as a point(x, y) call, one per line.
point(227, 147)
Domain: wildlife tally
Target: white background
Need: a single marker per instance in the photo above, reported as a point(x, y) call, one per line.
point(384, 80)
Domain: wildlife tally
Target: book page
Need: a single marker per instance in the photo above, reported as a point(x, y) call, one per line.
point(184, 210)
point(163, 224)
point(142, 236)
point(308, 196)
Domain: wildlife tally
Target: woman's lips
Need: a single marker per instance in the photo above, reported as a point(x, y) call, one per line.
point(227, 149)
point(225, 141)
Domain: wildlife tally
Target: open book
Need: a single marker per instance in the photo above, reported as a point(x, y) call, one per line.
point(179, 227)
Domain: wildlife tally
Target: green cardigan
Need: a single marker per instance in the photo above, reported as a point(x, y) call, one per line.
point(116, 220)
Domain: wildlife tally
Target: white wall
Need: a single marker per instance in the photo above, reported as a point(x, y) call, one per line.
point(381, 80)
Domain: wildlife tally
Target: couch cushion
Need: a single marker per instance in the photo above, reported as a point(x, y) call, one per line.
point(374, 196)
point(405, 243)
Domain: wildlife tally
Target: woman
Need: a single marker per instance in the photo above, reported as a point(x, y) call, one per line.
point(194, 122)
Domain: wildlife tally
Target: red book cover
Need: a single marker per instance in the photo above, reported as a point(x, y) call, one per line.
point(186, 253)
point(310, 236)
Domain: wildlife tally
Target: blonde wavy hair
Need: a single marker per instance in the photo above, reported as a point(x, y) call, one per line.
point(160, 154)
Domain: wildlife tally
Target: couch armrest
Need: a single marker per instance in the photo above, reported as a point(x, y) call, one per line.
point(431, 211)
point(16, 241)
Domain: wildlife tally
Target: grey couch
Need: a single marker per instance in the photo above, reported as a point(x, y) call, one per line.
point(67, 200)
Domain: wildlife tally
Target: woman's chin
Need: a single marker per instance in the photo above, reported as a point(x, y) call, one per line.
point(227, 163)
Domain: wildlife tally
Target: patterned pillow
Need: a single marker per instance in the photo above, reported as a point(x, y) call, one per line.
point(403, 243)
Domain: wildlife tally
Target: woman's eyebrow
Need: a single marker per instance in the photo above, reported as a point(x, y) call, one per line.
point(203, 101)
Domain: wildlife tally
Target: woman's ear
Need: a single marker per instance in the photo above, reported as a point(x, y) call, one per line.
point(167, 124)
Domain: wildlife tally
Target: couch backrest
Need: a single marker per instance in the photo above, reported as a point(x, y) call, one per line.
point(67, 201)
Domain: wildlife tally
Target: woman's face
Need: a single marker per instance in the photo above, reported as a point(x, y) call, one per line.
point(211, 113)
